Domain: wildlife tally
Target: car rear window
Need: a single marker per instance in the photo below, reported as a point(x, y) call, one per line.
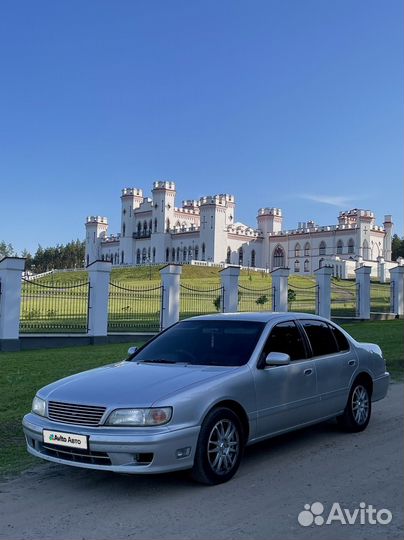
point(204, 342)
point(320, 336)
point(341, 340)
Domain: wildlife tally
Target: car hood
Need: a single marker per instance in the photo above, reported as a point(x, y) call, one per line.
point(128, 384)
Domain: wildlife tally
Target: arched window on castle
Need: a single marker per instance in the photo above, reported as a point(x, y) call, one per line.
point(196, 252)
point(178, 255)
point(122, 257)
point(138, 256)
point(155, 224)
point(228, 256)
point(123, 229)
point(102, 257)
point(167, 225)
point(279, 257)
point(365, 250)
point(173, 255)
point(167, 255)
point(340, 247)
point(306, 265)
point(240, 256)
point(184, 255)
point(307, 249)
point(322, 249)
point(148, 254)
point(351, 246)
point(203, 251)
point(297, 250)
point(253, 258)
point(139, 229)
point(154, 254)
point(189, 253)
point(144, 255)
point(297, 265)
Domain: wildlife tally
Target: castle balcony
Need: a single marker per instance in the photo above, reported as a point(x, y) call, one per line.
point(142, 234)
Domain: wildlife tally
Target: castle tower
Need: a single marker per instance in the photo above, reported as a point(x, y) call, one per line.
point(213, 235)
point(163, 204)
point(388, 227)
point(269, 221)
point(96, 230)
point(131, 198)
point(365, 220)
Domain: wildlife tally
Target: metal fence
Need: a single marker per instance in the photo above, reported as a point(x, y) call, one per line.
point(303, 299)
point(344, 298)
point(54, 309)
point(381, 297)
point(200, 301)
point(250, 299)
point(134, 309)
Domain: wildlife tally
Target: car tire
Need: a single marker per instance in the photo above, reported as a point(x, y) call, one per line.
point(358, 409)
point(220, 447)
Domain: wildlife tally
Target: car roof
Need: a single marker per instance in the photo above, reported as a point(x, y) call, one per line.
point(259, 316)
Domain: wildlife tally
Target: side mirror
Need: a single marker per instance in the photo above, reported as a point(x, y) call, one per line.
point(132, 350)
point(277, 359)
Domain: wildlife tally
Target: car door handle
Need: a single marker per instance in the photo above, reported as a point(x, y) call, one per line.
point(308, 371)
point(352, 363)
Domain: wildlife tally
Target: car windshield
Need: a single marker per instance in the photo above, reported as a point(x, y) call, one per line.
point(199, 342)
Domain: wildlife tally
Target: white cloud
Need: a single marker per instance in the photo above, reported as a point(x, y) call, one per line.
point(334, 200)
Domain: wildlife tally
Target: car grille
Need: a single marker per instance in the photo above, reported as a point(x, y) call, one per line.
point(75, 454)
point(69, 413)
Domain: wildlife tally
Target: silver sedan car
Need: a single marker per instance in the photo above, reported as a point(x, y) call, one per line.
point(195, 395)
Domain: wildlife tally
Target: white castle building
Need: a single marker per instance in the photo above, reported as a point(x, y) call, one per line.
point(155, 230)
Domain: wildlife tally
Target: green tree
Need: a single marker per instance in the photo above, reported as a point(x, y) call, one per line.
point(6, 250)
point(397, 247)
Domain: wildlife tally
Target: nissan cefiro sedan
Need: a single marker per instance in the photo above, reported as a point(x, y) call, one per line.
point(198, 393)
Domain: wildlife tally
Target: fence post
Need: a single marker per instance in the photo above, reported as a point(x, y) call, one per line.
point(11, 269)
point(229, 280)
point(280, 286)
point(323, 279)
point(397, 290)
point(382, 270)
point(170, 276)
point(363, 296)
point(99, 273)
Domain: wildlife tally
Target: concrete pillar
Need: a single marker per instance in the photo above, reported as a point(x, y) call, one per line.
point(280, 286)
point(363, 291)
point(397, 290)
point(382, 275)
point(323, 279)
point(99, 273)
point(229, 280)
point(11, 269)
point(170, 276)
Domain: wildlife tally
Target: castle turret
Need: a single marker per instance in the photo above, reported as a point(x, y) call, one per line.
point(163, 204)
point(213, 216)
point(269, 220)
point(388, 227)
point(131, 198)
point(96, 230)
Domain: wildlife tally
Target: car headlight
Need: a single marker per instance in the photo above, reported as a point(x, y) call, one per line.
point(39, 406)
point(155, 416)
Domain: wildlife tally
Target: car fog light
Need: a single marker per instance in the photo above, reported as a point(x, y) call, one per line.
point(183, 452)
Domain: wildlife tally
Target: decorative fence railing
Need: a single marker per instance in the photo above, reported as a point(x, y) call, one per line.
point(380, 297)
point(303, 299)
point(344, 298)
point(250, 299)
point(200, 301)
point(134, 309)
point(54, 309)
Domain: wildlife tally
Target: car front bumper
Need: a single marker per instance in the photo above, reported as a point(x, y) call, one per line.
point(123, 450)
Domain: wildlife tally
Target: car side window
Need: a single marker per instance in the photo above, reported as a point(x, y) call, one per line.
point(321, 337)
point(285, 337)
point(341, 340)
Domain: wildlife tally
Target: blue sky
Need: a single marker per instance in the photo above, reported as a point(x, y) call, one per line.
point(287, 103)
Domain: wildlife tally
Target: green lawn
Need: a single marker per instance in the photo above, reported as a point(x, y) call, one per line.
point(23, 373)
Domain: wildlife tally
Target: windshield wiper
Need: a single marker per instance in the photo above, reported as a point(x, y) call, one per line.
point(158, 361)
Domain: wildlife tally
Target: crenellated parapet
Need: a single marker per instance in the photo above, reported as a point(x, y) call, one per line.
point(96, 219)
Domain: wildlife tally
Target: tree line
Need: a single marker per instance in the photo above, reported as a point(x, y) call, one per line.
point(70, 255)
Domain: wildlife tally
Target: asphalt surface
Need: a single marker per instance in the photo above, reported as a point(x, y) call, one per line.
point(276, 479)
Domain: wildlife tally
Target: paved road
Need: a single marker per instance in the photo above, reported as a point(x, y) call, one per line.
point(276, 479)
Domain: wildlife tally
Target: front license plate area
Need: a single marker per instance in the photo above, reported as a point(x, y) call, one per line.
point(71, 440)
